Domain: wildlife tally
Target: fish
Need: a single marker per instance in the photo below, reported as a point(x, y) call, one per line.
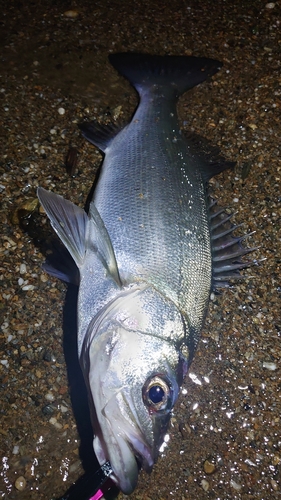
point(151, 248)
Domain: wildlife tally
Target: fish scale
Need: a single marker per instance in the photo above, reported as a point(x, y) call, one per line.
point(148, 253)
point(157, 222)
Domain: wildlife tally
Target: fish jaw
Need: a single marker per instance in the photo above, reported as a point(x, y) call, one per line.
point(123, 444)
point(128, 359)
point(128, 434)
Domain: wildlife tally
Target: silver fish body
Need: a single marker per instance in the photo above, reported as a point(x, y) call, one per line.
point(146, 254)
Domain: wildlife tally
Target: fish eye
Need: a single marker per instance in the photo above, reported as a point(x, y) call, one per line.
point(157, 393)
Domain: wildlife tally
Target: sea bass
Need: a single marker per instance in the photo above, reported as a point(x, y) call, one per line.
point(149, 251)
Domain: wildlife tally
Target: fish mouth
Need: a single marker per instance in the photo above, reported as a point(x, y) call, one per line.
point(143, 455)
point(127, 455)
point(122, 442)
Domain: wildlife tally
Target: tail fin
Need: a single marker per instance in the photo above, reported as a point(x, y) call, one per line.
point(177, 73)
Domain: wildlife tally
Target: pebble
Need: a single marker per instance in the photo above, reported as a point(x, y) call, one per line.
point(22, 268)
point(270, 5)
point(61, 111)
point(71, 14)
point(274, 484)
point(75, 466)
point(55, 423)
point(205, 485)
point(49, 356)
point(209, 466)
point(20, 483)
point(49, 396)
point(26, 288)
point(235, 486)
point(63, 409)
point(48, 410)
point(269, 366)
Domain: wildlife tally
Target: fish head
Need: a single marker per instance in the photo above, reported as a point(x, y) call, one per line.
point(134, 371)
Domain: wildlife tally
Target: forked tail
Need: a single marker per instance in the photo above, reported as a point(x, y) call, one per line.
point(173, 74)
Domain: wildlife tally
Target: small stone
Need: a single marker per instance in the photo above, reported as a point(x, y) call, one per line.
point(270, 5)
point(63, 390)
point(269, 366)
point(71, 14)
point(274, 484)
point(205, 485)
point(55, 423)
point(276, 460)
point(61, 111)
point(48, 410)
point(49, 356)
point(253, 126)
point(49, 396)
point(209, 466)
point(75, 466)
point(22, 268)
point(20, 483)
point(185, 430)
point(26, 288)
point(235, 486)
point(63, 409)
point(24, 210)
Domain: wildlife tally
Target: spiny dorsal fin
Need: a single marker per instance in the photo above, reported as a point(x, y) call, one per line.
point(99, 135)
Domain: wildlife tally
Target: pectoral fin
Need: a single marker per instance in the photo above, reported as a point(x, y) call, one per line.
point(79, 232)
point(68, 221)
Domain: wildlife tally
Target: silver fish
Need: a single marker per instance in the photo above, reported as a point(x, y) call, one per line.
point(149, 252)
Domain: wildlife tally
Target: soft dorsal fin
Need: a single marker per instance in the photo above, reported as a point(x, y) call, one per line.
point(212, 162)
point(69, 222)
point(101, 241)
point(98, 134)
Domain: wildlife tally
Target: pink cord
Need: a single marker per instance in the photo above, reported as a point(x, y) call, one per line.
point(97, 495)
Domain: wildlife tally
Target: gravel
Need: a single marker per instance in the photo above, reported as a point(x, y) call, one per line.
point(225, 439)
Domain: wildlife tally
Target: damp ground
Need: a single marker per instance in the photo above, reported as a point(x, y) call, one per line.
point(225, 435)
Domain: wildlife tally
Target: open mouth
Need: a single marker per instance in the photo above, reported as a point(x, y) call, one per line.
point(142, 453)
point(127, 454)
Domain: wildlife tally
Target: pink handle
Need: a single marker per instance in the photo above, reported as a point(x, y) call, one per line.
point(97, 495)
